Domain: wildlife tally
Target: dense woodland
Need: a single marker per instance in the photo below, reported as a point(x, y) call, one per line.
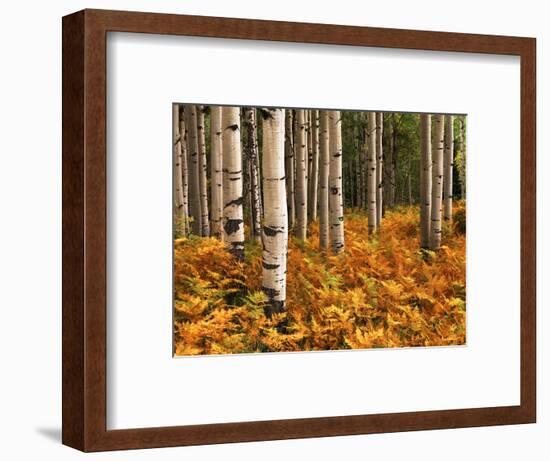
point(317, 229)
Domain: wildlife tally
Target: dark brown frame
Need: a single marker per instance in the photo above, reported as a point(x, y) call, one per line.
point(84, 229)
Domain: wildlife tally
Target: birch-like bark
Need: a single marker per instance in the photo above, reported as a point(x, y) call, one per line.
point(179, 216)
point(324, 153)
point(216, 175)
point(437, 181)
point(379, 168)
point(336, 198)
point(233, 224)
point(314, 177)
point(184, 170)
point(252, 159)
point(448, 170)
point(289, 167)
point(460, 158)
point(425, 179)
point(275, 230)
point(371, 173)
point(390, 163)
point(193, 168)
point(309, 143)
point(301, 175)
point(203, 181)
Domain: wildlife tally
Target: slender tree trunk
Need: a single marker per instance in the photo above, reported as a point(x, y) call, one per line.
point(252, 157)
point(324, 151)
point(437, 181)
point(193, 168)
point(289, 167)
point(393, 161)
point(336, 198)
point(301, 175)
point(275, 230)
point(313, 179)
point(179, 212)
point(357, 165)
point(203, 181)
point(363, 133)
point(460, 158)
point(448, 170)
point(409, 188)
point(425, 179)
point(309, 142)
point(216, 166)
point(232, 181)
point(371, 173)
point(184, 170)
point(379, 168)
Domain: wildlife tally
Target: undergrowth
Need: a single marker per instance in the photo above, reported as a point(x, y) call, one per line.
point(383, 291)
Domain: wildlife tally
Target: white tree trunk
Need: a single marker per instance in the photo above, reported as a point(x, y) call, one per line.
point(371, 173)
point(193, 168)
point(324, 152)
point(179, 216)
point(314, 177)
point(184, 171)
point(233, 225)
point(462, 149)
point(289, 167)
point(448, 170)
point(437, 181)
point(379, 168)
point(203, 181)
point(252, 157)
point(309, 141)
point(301, 175)
point(336, 198)
point(216, 175)
point(425, 179)
point(275, 230)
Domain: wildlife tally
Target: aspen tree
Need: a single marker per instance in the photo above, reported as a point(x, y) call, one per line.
point(314, 177)
point(233, 224)
point(275, 230)
point(460, 158)
point(289, 167)
point(251, 146)
point(203, 181)
point(336, 199)
point(179, 214)
point(448, 170)
point(184, 170)
point(437, 181)
point(371, 173)
point(193, 169)
point(216, 175)
point(324, 153)
point(379, 168)
point(389, 163)
point(301, 175)
point(425, 179)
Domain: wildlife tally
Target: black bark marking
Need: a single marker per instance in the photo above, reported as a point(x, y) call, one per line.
point(270, 266)
point(234, 127)
point(272, 231)
point(231, 226)
point(239, 201)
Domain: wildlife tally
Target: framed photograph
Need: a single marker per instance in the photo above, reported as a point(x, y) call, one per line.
point(278, 230)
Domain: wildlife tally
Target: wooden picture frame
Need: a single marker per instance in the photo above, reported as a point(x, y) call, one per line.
point(85, 222)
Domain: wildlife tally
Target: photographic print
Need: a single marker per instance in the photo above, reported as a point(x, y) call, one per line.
point(299, 229)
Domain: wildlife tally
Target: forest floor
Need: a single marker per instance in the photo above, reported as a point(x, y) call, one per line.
point(383, 291)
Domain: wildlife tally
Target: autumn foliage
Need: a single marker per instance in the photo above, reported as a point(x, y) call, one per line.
point(381, 292)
